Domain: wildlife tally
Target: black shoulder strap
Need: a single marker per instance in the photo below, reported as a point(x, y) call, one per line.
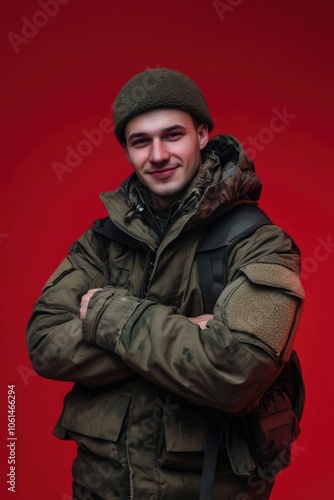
point(213, 252)
point(106, 227)
point(212, 259)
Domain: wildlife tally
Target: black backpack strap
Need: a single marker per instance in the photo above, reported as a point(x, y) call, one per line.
point(106, 227)
point(212, 263)
point(210, 458)
point(213, 252)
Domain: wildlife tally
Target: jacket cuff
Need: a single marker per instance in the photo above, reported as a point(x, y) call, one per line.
point(95, 305)
point(107, 312)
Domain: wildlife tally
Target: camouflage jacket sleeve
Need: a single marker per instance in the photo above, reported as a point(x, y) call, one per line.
point(231, 363)
point(54, 336)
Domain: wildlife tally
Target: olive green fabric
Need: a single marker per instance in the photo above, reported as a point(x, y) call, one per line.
point(159, 88)
point(146, 378)
point(264, 306)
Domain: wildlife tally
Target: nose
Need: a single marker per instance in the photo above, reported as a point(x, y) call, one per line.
point(159, 152)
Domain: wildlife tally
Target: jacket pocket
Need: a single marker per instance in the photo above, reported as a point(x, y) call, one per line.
point(182, 441)
point(273, 426)
point(94, 420)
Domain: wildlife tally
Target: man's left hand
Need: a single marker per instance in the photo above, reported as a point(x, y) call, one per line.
point(202, 320)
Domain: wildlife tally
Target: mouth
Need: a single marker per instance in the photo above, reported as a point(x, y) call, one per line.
point(162, 173)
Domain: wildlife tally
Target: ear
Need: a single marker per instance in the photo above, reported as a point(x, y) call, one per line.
point(203, 135)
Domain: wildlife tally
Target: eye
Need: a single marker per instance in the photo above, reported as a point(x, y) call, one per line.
point(173, 136)
point(140, 142)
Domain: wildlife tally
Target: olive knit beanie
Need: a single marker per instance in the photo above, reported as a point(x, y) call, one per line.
point(158, 88)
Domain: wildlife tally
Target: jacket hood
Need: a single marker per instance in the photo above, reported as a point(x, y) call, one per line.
point(234, 180)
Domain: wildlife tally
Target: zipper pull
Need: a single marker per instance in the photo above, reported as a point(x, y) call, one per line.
point(138, 208)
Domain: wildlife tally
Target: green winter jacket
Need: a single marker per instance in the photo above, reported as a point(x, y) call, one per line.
point(145, 377)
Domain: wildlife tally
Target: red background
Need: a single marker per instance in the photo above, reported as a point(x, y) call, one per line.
point(256, 57)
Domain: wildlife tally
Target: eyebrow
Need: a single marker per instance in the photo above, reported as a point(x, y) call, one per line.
point(167, 129)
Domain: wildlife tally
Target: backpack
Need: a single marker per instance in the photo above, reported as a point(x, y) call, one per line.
point(274, 424)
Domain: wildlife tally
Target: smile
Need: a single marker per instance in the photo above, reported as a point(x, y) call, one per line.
point(163, 173)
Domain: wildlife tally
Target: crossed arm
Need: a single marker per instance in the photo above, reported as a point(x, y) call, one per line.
point(85, 331)
point(201, 320)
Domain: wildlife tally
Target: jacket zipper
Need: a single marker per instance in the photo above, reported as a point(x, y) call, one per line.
point(138, 208)
point(132, 489)
point(149, 273)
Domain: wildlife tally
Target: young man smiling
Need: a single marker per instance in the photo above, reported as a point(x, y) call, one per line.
point(164, 147)
point(123, 315)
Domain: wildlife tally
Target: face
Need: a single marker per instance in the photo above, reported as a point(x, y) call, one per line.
point(164, 147)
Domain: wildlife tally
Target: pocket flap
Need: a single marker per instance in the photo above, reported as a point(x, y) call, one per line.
point(185, 431)
point(95, 414)
point(276, 276)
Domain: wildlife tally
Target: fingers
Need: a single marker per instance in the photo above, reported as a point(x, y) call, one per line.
point(201, 320)
point(85, 301)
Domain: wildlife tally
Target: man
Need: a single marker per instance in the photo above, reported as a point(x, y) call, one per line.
point(123, 318)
